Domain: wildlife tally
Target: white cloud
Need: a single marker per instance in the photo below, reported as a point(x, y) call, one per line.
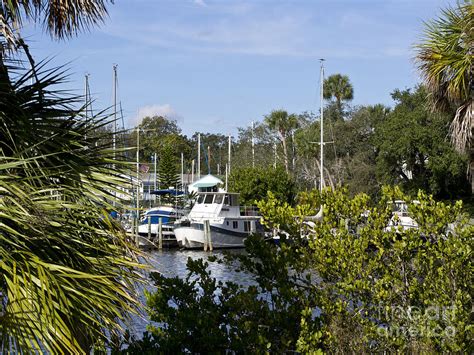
point(164, 110)
point(247, 28)
point(200, 3)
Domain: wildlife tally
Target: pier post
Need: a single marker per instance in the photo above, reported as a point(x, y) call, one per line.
point(149, 228)
point(209, 237)
point(206, 235)
point(135, 232)
point(160, 234)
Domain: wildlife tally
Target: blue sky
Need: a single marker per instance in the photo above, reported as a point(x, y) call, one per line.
point(217, 65)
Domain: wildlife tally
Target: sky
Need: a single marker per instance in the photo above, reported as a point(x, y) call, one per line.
point(216, 65)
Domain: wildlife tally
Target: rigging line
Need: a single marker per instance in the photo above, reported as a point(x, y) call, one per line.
point(121, 116)
point(124, 140)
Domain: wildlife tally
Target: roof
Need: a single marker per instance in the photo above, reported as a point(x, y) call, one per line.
point(207, 181)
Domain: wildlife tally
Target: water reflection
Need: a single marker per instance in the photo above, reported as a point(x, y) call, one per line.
point(172, 263)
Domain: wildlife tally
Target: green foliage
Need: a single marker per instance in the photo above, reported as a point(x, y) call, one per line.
point(284, 125)
point(346, 284)
point(155, 133)
point(254, 183)
point(412, 148)
point(201, 315)
point(61, 19)
point(392, 290)
point(339, 88)
point(214, 152)
point(168, 176)
point(263, 146)
point(67, 269)
point(444, 57)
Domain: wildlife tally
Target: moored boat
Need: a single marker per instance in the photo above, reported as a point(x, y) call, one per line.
point(401, 218)
point(229, 224)
point(148, 228)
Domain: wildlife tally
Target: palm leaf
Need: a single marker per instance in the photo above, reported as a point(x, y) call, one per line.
point(68, 271)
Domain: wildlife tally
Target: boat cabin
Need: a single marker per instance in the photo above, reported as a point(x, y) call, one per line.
point(214, 205)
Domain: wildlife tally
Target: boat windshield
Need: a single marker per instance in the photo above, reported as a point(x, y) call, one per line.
point(226, 200)
point(208, 198)
point(200, 198)
point(218, 199)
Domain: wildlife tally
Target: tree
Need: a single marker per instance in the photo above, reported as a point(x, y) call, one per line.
point(60, 18)
point(345, 285)
point(67, 270)
point(168, 175)
point(253, 184)
point(356, 151)
point(412, 151)
point(339, 88)
point(284, 124)
point(444, 59)
point(213, 152)
point(155, 133)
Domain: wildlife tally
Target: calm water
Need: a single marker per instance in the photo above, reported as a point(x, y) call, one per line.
point(172, 263)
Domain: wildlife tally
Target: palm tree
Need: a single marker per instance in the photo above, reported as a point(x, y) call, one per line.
point(283, 123)
point(339, 88)
point(61, 18)
point(444, 59)
point(68, 272)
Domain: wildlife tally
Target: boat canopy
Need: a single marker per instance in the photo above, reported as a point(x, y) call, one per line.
point(167, 192)
point(206, 181)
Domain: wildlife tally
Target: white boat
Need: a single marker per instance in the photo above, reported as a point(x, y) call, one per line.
point(148, 228)
point(229, 224)
point(400, 217)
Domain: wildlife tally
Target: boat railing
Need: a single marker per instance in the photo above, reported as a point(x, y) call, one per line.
point(249, 211)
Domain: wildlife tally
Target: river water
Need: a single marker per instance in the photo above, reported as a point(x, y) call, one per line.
point(172, 263)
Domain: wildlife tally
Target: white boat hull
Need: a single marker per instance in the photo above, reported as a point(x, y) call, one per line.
point(193, 237)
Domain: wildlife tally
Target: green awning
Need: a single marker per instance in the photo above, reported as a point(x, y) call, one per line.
point(204, 184)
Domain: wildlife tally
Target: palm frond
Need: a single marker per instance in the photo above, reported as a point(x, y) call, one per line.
point(444, 58)
point(68, 270)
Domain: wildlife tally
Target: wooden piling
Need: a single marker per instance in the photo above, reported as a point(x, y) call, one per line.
point(209, 236)
point(160, 234)
point(149, 227)
point(135, 232)
point(206, 235)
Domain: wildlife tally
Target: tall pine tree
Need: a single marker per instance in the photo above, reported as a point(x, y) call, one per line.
point(168, 175)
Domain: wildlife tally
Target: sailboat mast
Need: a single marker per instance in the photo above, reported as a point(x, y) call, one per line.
point(321, 181)
point(199, 157)
point(115, 108)
point(229, 153)
point(253, 144)
point(86, 93)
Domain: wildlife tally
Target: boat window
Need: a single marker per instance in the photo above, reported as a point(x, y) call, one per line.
point(218, 199)
point(246, 226)
point(235, 224)
point(208, 198)
point(226, 200)
point(234, 200)
point(200, 199)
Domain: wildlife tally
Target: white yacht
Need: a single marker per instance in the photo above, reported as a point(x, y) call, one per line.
point(400, 217)
point(229, 223)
